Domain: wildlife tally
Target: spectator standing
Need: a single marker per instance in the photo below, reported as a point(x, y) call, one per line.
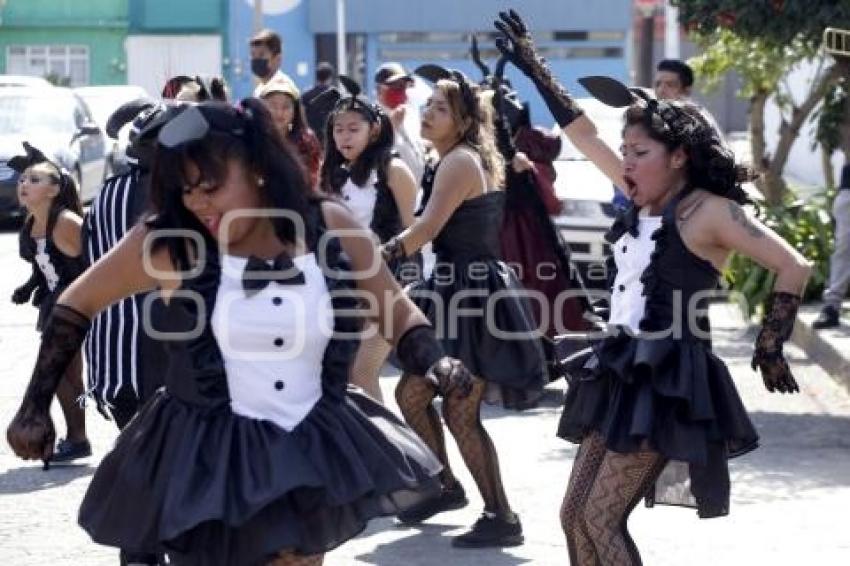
point(266, 57)
point(392, 82)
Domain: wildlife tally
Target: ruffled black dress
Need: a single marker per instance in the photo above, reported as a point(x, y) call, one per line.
point(190, 477)
point(66, 268)
point(475, 301)
point(669, 391)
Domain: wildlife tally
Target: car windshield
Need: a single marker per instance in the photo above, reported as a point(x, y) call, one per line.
point(103, 101)
point(32, 114)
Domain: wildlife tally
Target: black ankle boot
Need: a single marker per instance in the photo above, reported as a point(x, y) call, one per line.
point(449, 499)
point(491, 530)
point(828, 318)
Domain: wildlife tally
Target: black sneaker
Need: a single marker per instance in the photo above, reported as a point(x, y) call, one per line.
point(67, 451)
point(448, 500)
point(491, 531)
point(828, 318)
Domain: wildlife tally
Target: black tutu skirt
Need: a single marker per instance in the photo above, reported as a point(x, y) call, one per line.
point(210, 487)
point(676, 396)
point(458, 298)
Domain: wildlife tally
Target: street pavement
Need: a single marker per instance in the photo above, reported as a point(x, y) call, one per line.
point(790, 498)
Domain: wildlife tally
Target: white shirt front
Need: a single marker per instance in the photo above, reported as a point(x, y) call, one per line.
point(43, 262)
point(361, 200)
point(632, 256)
point(273, 342)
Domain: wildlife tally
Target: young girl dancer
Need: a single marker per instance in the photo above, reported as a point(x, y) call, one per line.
point(254, 452)
point(379, 190)
point(652, 397)
point(50, 241)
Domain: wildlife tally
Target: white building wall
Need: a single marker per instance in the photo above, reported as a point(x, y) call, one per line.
point(804, 163)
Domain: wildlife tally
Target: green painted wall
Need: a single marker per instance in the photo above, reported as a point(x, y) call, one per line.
point(99, 24)
point(168, 16)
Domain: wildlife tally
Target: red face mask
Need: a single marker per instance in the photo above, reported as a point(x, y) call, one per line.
point(395, 97)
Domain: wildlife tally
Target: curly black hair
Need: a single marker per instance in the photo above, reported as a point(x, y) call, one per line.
point(711, 164)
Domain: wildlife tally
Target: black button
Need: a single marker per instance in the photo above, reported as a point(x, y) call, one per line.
point(278, 385)
point(278, 342)
point(622, 288)
point(277, 301)
point(346, 197)
point(624, 249)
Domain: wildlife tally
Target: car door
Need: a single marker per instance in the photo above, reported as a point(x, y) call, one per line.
point(92, 151)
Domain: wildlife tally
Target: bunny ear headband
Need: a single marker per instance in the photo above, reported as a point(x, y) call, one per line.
point(614, 93)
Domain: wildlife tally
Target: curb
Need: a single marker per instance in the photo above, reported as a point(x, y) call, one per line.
point(830, 349)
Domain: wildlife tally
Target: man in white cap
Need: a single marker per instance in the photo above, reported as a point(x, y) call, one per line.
point(392, 82)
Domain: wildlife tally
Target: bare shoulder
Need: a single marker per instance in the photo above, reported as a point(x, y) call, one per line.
point(337, 216)
point(67, 233)
point(398, 169)
point(460, 158)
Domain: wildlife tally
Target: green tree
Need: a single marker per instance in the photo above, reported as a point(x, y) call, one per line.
point(763, 40)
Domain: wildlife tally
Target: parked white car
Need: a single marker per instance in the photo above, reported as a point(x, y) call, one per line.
point(586, 195)
point(103, 101)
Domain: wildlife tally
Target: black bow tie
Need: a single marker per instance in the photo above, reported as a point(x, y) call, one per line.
point(626, 221)
point(258, 273)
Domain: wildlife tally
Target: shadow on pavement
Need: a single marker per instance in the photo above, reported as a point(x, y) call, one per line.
point(31, 477)
point(422, 542)
point(797, 453)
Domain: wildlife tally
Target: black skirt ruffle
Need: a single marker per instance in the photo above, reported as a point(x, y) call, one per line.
point(674, 395)
point(211, 487)
point(515, 358)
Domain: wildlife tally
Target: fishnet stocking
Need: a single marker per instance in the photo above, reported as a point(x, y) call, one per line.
point(415, 396)
point(573, 521)
point(68, 392)
point(370, 358)
point(619, 485)
point(289, 558)
point(463, 417)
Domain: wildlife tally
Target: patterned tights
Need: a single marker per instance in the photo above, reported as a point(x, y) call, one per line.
point(604, 488)
point(415, 397)
point(68, 392)
point(370, 358)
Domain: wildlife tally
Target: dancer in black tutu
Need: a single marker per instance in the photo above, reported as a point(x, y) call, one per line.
point(50, 241)
point(652, 397)
point(254, 452)
point(462, 217)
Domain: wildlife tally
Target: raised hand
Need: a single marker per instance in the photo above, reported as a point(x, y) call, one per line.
point(515, 42)
point(516, 45)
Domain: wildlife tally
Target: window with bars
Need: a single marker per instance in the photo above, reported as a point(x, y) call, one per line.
point(68, 62)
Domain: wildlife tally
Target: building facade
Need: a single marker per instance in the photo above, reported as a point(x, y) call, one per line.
point(74, 42)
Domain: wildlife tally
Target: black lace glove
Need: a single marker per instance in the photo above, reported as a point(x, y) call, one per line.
point(31, 434)
point(23, 293)
point(420, 354)
point(777, 326)
point(515, 43)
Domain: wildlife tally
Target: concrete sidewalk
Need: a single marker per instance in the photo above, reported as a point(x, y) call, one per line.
point(828, 348)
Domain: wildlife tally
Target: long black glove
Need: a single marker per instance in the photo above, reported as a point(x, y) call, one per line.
point(31, 434)
point(516, 44)
point(420, 354)
point(23, 293)
point(777, 326)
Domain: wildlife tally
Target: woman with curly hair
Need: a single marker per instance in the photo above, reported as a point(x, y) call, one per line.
point(651, 406)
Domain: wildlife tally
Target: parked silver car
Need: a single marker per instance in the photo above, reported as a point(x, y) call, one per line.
point(56, 121)
point(586, 195)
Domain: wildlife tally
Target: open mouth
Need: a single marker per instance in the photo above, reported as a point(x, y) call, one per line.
point(212, 223)
point(631, 186)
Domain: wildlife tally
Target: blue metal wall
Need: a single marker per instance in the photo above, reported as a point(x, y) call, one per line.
point(289, 19)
